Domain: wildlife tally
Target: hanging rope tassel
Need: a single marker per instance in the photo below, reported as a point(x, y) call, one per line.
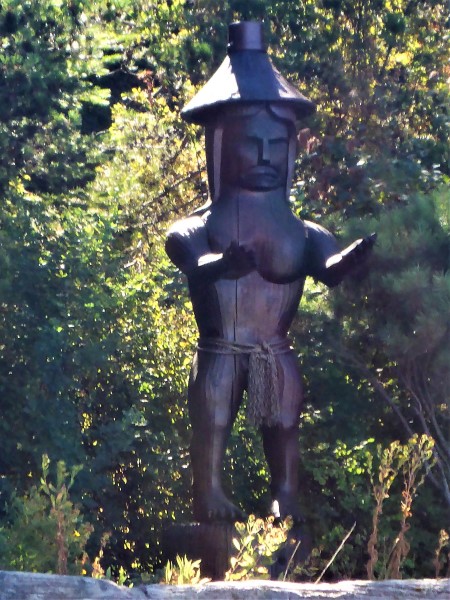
point(263, 387)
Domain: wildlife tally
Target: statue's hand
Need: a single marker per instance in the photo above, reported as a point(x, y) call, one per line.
point(339, 265)
point(358, 252)
point(238, 261)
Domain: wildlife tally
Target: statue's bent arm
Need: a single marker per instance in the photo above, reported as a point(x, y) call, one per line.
point(188, 248)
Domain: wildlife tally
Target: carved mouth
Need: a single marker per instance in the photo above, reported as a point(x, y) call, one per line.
point(263, 171)
point(261, 177)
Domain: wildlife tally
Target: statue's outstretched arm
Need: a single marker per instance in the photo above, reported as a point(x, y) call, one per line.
point(326, 263)
point(188, 248)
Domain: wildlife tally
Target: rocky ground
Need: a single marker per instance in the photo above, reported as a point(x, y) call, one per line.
point(36, 586)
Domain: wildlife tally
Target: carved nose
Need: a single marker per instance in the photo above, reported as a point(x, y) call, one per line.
point(265, 151)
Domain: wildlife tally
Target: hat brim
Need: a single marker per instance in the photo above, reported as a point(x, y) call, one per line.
point(243, 77)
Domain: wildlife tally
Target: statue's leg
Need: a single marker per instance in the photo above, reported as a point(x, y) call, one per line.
point(280, 441)
point(215, 393)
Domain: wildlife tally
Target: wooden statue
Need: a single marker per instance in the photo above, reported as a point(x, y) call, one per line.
point(246, 257)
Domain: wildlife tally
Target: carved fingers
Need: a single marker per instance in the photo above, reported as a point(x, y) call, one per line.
point(239, 260)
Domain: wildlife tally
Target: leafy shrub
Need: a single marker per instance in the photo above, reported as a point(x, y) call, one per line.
point(47, 532)
point(256, 543)
point(411, 460)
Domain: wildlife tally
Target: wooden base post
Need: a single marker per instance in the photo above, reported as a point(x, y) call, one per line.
point(211, 543)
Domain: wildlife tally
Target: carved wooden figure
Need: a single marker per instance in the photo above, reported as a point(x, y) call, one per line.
point(246, 257)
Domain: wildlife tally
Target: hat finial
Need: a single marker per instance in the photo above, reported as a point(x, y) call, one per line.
point(245, 35)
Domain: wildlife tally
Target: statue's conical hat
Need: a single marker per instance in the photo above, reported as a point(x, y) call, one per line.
point(246, 75)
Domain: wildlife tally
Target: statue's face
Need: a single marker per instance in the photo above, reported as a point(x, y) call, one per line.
point(255, 152)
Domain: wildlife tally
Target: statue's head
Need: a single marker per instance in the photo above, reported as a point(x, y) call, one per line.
point(251, 147)
point(250, 113)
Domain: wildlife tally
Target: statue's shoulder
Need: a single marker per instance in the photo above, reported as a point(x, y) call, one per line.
point(194, 222)
point(187, 227)
point(318, 235)
point(186, 240)
point(320, 246)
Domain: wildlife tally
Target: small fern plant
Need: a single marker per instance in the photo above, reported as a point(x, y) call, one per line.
point(183, 571)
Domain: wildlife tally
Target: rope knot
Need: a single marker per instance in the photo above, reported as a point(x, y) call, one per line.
point(263, 351)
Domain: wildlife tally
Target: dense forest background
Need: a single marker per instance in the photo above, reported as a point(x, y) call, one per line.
point(96, 331)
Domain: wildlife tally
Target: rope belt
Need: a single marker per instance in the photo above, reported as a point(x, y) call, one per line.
point(263, 387)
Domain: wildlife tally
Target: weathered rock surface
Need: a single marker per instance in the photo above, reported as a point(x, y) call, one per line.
point(36, 586)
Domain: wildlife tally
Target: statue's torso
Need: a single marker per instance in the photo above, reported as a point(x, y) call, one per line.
point(261, 305)
point(271, 231)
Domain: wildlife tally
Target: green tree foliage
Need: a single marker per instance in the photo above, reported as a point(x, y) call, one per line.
point(377, 71)
point(41, 156)
point(375, 353)
point(95, 325)
point(398, 333)
point(39, 113)
point(85, 367)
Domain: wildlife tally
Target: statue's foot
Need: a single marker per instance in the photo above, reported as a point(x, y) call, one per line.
point(296, 550)
point(214, 506)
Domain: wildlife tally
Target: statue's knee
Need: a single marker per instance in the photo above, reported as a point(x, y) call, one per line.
point(214, 422)
point(289, 422)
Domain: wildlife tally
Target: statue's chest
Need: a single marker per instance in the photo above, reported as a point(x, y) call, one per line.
point(276, 237)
